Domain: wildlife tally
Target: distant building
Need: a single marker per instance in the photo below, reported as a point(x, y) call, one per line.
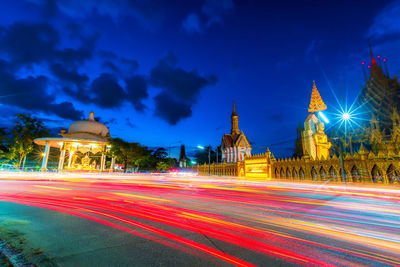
point(235, 146)
point(182, 157)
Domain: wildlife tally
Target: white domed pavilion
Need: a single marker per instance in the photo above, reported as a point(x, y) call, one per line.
point(83, 136)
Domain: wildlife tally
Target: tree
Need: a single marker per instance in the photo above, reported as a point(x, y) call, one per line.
point(201, 155)
point(25, 130)
point(129, 153)
point(160, 154)
point(3, 148)
point(162, 166)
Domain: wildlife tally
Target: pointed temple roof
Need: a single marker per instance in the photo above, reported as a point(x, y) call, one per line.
point(316, 103)
point(234, 109)
point(373, 62)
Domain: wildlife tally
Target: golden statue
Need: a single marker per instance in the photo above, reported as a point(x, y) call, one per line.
point(322, 145)
point(86, 162)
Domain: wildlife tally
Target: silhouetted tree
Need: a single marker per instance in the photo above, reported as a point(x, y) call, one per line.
point(25, 130)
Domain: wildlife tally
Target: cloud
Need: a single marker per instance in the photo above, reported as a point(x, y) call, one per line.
point(106, 91)
point(30, 93)
point(170, 109)
point(129, 123)
point(69, 76)
point(42, 42)
point(136, 87)
point(180, 89)
point(149, 14)
point(212, 12)
point(387, 22)
point(192, 24)
point(185, 85)
point(216, 10)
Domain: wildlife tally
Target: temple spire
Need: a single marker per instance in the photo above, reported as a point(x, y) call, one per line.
point(234, 109)
point(316, 103)
point(373, 62)
point(234, 121)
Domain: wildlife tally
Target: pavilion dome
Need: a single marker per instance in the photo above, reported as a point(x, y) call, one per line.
point(89, 126)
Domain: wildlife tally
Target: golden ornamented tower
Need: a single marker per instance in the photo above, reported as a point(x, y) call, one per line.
point(315, 141)
point(234, 122)
point(316, 103)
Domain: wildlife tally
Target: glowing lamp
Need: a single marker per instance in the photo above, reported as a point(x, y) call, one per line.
point(43, 154)
point(346, 116)
point(201, 147)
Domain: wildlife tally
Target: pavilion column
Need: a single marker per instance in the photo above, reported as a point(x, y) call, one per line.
point(71, 153)
point(61, 160)
point(112, 163)
point(103, 161)
point(46, 156)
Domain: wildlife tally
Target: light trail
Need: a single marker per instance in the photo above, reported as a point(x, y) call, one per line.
point(303, 224)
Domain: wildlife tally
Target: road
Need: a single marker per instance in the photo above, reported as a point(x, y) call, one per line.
point(143, 220)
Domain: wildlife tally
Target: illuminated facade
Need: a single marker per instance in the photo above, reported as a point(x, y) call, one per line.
point(380, 95)
point(83, 136)
point(235, 146)
point(381, 165)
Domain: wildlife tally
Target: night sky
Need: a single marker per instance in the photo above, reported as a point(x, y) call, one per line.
point(165, 73)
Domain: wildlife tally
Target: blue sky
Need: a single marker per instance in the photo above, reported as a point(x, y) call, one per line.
point(165, 73)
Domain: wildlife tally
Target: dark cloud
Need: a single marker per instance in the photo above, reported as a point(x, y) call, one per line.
point(40, 48)
point(136, 88)
point(118, 65)
point(106, 91)
point(192, 24)
point(180, 87)
point(110, 66)
point(129, 123)
point(216, 10)
point(386, 22)
point(149, 14)
point(183, 84)
point(30, 93)
point(69, 75)
point(128, 65)
point(212, 12)
point(170, 109)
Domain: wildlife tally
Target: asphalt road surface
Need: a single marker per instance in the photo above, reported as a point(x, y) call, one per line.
point(144, 220)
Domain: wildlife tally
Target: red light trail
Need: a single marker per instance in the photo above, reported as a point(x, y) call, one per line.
point(294, 223)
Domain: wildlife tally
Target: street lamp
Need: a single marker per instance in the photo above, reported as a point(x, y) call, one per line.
point(209, 157)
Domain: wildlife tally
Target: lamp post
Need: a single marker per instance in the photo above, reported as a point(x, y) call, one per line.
point(346, 118)
point(209, 157)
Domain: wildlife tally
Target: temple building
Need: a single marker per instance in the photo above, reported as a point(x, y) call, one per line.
point(314, 140)
point(83, 136)
point(381, 93)
point(235, 146)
